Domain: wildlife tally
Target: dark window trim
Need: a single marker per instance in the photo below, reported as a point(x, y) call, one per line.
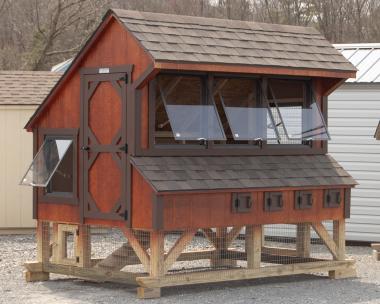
point(224, 149)
point(56, 197)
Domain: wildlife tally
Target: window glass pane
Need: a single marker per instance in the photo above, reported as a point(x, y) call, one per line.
point(286, 100)
point(239, 99)
point(62, 179)
point(46, 162)
point(189, 115)
point(314, 126)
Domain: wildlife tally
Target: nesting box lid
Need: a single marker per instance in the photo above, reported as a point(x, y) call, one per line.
point(241, 172)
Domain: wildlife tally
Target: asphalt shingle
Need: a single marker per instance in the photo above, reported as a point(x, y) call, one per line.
point(26, 87)
point(240, 172)
point(222, 41)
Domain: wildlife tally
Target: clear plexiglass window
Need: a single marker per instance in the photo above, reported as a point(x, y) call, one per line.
point(46, 162)
point(238, 97)
point(189, 115)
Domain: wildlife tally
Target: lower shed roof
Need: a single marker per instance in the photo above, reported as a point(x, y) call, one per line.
point(242, 172)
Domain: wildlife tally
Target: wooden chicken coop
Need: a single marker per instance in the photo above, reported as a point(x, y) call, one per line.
point(201, 144)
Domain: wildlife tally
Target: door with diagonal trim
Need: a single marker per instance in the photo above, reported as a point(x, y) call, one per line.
point(104, 139)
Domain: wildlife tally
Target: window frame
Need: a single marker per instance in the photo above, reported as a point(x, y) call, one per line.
point(220, 149)
point(71, 198)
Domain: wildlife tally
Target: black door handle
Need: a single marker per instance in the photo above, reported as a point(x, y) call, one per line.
point(85, 148)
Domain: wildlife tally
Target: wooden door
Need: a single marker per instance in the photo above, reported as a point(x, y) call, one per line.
point(104, 142)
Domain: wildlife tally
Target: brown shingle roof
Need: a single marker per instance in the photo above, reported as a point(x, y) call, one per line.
point(26, 87)
point(208, 40)
point(241, 172)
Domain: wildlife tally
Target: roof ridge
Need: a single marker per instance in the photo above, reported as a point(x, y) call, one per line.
point(232, 23)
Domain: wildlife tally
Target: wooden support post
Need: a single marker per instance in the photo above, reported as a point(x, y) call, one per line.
point(177, 249)
point(55, 253)
point(303, 240)
point(157, 265)
point(83, 246)
point(253, 242)
point(221, 243)
point(43, 253)
point(326, 238)
point(339, 231)
point(138, 248)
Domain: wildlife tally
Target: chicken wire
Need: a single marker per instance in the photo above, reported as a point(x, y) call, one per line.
point(206, 249)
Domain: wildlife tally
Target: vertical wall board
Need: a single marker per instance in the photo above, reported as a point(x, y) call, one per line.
point(15, 155)
point(354, 112)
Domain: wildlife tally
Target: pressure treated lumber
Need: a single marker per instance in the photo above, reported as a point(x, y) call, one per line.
point(326, 238)
point(177, 248)
point(303, 240)
point(242, 274)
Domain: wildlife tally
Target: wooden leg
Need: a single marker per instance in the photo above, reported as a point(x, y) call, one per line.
point(34, 274)
point(303, 240)
point(148, 293)
point(343, 273)
point(253, 240)
point(339, 230)
point(83, 246)
point(157, 265)
point(221, 245)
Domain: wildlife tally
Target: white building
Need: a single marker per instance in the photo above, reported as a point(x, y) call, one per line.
point(20, 94)
point(354, 113)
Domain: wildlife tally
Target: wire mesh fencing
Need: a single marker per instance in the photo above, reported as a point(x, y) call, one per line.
point(149, 253)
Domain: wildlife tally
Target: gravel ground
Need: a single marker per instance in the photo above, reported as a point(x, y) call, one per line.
point(295, 289)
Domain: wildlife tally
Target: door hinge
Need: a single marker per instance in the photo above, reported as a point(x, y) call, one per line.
point(125, 78)
point(124, 215)
point(124, 148)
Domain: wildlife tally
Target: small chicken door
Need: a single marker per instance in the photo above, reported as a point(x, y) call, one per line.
point(104, 142)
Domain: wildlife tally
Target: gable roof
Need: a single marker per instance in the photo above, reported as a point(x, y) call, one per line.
point(26, 87)
point(241, 172)
point(365, 57)
point(263, 48)
point(177, 38)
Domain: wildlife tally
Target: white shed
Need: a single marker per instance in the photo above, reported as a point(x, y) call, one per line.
point(354, 113)
point(20, 93)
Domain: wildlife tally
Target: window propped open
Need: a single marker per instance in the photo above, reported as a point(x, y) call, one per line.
point(187, 112)
point(247, 121)
point(46, 162)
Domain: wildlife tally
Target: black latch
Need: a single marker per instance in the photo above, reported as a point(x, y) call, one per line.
point(77, 259)
point(124, 148)
point(303, 199)
point(241, 202)
point(273, 201)
point(332, 198)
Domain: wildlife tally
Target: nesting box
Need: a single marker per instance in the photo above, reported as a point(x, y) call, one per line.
point(190, 136)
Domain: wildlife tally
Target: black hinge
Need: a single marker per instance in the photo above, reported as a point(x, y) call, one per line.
point(125, 78)
point(124, 148)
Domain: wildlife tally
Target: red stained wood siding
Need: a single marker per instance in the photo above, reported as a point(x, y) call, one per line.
point(142, 202)
point(183, 211)
point(113, 47)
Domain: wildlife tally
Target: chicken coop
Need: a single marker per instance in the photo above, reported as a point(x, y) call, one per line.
point(200, 146)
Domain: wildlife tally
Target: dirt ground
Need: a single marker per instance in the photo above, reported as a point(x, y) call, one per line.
point(15, 250)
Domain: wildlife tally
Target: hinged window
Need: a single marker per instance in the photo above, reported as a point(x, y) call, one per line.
point(183, 110)
point(46, 162)
point(215, 112)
